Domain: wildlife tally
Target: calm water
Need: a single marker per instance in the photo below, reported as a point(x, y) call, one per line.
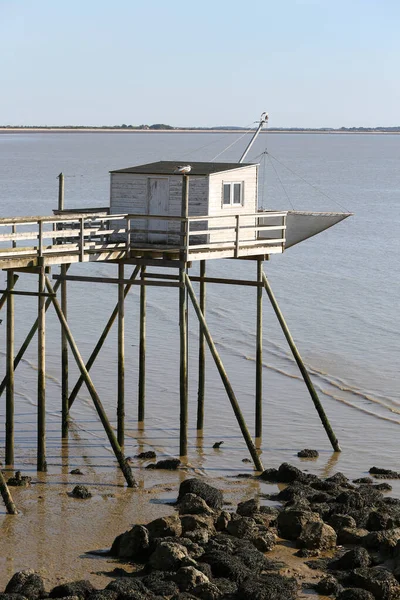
point(339, 293)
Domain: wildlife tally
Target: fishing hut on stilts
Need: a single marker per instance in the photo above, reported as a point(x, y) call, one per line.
point(161, 215)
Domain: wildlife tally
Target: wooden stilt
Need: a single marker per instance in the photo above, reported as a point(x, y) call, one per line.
point(4, 297)
point(64, 358)
point(183, 372)
point(101, 341)
point(121, 358)
point(202, 351)
point(10, 372)
point(221, 369)
point(142, 350)
point(259, 366)
point(5, 493)
point(125, 468)
point(41, 386)
point(28, 339)
point(300, 364)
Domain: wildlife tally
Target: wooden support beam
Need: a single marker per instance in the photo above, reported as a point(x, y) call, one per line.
point(23, 293)
point(259, 365)
point(202, 351)
point(101, 341)
point(300, 364)
point(10, 371)
point(204, 279)
point(4, 297)
point(142, 350)
point(125, 468)
point(64, 356)
point(28, 339)
point(41, 383)
point(183, 345)
point(121, 358)
point(225, 380)
point(118, 281)
point(7, 498)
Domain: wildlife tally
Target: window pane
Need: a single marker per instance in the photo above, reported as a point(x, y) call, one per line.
point(227, 193)
point(237, 187)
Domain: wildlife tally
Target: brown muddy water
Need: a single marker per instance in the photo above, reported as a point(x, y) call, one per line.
point(339, 293)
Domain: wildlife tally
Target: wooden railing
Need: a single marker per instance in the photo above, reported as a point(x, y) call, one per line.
point(81, 234)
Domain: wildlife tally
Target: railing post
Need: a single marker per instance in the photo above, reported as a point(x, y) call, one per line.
point(283, 232)
point(60, 191)
point(10, 371)
point(40, 242)
point(81, 239)
point(128, 237)
point(237, 235)
point(14, 230)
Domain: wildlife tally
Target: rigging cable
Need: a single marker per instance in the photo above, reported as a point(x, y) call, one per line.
point(280, 180)
point(233, 143)
point(214, 141)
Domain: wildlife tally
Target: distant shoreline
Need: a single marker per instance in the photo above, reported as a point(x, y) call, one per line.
point(18, 130)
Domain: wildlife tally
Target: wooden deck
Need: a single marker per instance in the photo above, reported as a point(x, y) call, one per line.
point(70, 237)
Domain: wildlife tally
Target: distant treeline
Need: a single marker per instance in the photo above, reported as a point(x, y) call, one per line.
point(164, 127)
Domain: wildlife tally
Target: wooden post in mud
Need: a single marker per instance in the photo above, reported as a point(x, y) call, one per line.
point(202, 351)
point(10, 371)
point(300, 364)
point(258, 428)
point(125, 468)
point(28, 339)
point(101, 341)
point(60, 191)
point(5, 493)
point(41, 384)
point(183, 373)
point(142, 349)
point(64, 359)
point(121, 358)
point(225, 380)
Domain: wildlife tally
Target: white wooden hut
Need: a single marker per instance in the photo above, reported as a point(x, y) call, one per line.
point(216, 189)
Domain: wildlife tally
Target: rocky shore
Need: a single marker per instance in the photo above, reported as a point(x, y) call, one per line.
point(348, 532)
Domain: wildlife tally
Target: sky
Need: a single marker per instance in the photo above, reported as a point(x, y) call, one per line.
point(308, 63)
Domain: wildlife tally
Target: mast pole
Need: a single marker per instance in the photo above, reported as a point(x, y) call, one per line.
point(263, 120)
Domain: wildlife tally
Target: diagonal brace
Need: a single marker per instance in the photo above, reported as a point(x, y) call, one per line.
point(125, 468)
point(101, 341)
point(225, 380)
point(300, 364)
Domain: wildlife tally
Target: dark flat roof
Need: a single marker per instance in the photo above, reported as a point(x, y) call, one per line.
point(168, 167)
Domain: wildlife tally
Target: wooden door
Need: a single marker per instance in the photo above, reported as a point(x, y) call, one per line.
point(158, 194)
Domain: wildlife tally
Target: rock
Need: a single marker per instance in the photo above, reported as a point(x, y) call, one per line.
point(12, 597)
point(128, 587)
point(217, 444)
point(379, 520)
point(384, 473)
point(191, 504)
point(365, 480)
point(196, 522)
point(351, 535)
point(103, 595)
point(150, 454)
point(19, 480)
point(212, 496)
point(76, 472)
point(307, 453)
point(272, 587)
point(338, 479)
point(159, 583)
point(265, 542)
point(288, 473)
point(353, 559)
point(294, 491)
point(383, 487)
point(355, 594)
point(165, 527)
point(269, 475)
point(170, 464)
point(328, 586)
point(380, 582)
point(248, 508)
point(292, 522)
point(317, 536)
point(242, 527)
point(188, 578)
point(198, 536)
point(26, 583)
point(168, 556)
point(222, 520)
point(226, 565)
point(82, 589)
point(384, 541)
point(339, 521)
point(207, 591)
point(81, 491)
point(134, 544)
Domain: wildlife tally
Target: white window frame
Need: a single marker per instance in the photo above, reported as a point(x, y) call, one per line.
point(232, 184)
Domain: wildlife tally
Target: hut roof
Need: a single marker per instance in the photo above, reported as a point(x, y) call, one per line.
point(168, 167)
